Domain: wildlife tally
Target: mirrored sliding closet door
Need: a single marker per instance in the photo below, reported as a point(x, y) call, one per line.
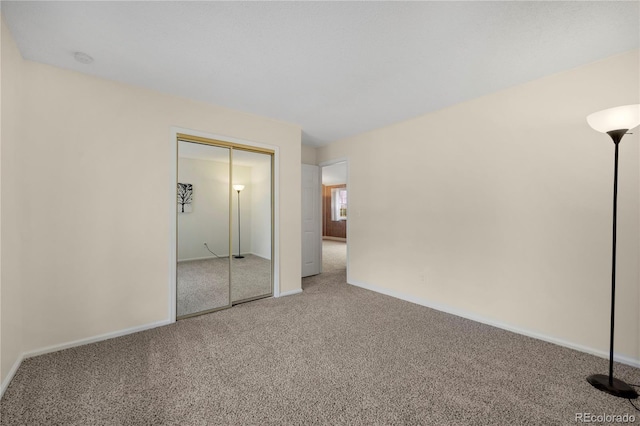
point(251, 233)
point(224, 226)
point(203, 195)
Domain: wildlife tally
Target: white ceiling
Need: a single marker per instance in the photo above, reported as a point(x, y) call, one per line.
point(335, 68)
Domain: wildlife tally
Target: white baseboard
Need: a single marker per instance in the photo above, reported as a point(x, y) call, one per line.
point(94, 339)
point(221, 257)
point(290, 292)
point(201, 258)
point(471, 316)
point(74, 343)
point(12, 372)
point(344, 240)
point(265, 257)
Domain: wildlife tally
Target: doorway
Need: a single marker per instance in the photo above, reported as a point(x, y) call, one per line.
point(335, 196)
point(224, 225)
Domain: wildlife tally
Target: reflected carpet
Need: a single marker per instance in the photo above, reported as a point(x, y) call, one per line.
point(204, 284)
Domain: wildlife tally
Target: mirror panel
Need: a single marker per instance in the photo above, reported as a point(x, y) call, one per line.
point(203, 221)
point(251, 264)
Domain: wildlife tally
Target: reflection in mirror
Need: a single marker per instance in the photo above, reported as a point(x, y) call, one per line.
point(203, 228)
point(251, 232)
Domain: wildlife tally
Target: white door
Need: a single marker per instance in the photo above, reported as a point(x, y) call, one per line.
point(311, 221)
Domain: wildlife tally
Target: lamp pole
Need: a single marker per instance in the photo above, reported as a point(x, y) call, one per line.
point(238, 188)
point(613, 255)
point(619, 119)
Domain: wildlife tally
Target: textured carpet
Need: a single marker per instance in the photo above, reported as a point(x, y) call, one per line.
point(335, 354)
point(204, 284)
point(250, 277)
point(334, 256)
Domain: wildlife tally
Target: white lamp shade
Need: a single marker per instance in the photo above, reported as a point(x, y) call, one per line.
point(238, 187)
point(618, 118)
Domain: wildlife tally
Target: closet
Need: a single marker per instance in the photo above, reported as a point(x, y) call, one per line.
point(224, 246)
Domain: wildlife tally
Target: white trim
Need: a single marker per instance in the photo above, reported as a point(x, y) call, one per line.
point(471, 316)
point(173, 158)
point(94, 339)
point(12, 373)
point(276, 223)
point(334, 161)
point(290, 292)
point(173, 222)
point(74, 343)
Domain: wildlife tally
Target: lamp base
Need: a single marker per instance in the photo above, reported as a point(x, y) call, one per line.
point(616, 388)
point(238, 256)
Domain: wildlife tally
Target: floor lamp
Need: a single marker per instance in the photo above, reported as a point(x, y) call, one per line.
point(238, 188)
point(615, 122)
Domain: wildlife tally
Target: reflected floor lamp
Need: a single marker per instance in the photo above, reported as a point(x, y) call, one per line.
point(238, 188)
point(615, 122)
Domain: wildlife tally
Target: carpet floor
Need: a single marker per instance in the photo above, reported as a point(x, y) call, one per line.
point(334, 256)
point(204, 284)
point(335, 354)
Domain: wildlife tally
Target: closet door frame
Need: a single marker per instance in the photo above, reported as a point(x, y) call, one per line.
point(187, 135)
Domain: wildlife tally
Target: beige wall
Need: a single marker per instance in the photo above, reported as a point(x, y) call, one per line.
point(309, 155)
point(94, 190)
point(502, 208)
point(13, 209)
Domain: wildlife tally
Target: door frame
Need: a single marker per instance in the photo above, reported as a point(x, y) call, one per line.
point(349, 218)
point(173, 214)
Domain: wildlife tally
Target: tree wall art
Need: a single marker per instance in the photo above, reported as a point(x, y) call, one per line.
point(185, 197)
